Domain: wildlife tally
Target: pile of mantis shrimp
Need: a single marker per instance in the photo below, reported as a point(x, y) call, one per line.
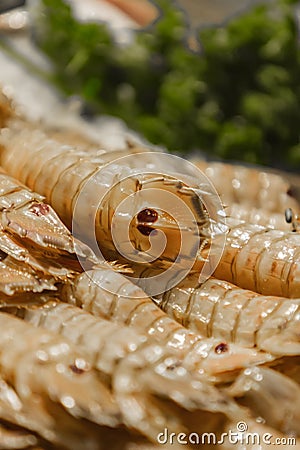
point(91, 360)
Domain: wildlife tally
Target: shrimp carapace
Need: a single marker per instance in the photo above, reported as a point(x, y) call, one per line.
point(103, 195)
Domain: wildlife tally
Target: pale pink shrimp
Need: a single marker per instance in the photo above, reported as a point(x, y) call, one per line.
point(239, 212)
point(106, 293)
point(220, 309)
point(255, 257)
point(251, 187)
point(32, 233)
point(263, 260)
point(43, 367)
point(142, 373)
point(19, 281)
point(69, 177)
point(36, 249)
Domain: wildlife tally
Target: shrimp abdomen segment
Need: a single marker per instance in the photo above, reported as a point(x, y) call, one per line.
point(221, 310)
point(262, 260)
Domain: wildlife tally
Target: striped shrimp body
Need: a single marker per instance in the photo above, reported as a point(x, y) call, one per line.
point(220, 309)
point(32, 233)
point(102, 201)
point(252, 188)
point(145, 377)
point(105, 293)
point(262, 260)
point(24, 214)
point(43, 367)
point(237, 213)
point(36, 249)
point(255, 257)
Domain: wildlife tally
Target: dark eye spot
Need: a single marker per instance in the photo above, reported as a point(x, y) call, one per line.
point(221, 348)
point(40, 209)
point(147, 215)
point(174, 366)
point(145, 230)
point(76, 369)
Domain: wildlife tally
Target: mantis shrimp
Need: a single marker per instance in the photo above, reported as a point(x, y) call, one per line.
point(128, 194)
point(254, 257)
point(262, 260)
point(36, 249)
point(68, 321)
point(238, 213)
point(105, 293)
point(252, 188)
point(51, 378)
point(220, 309)
point(149, 382)
point(252, 195)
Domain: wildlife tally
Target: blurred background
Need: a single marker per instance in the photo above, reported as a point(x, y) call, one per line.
point(217, 77)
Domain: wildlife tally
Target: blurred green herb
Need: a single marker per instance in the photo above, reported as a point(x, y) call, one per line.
point(239, 98)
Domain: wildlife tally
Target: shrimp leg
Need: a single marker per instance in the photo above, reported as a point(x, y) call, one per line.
point(272, 396)
point(145, 376)
point(47, 419)
point(40, 363)
point(15, 439)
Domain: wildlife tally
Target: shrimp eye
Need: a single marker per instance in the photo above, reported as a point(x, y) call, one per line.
point(40, 209)
point(221, 348)
point(288, 215)
point(76, 369)
point(147, 216)
point(79, 366)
